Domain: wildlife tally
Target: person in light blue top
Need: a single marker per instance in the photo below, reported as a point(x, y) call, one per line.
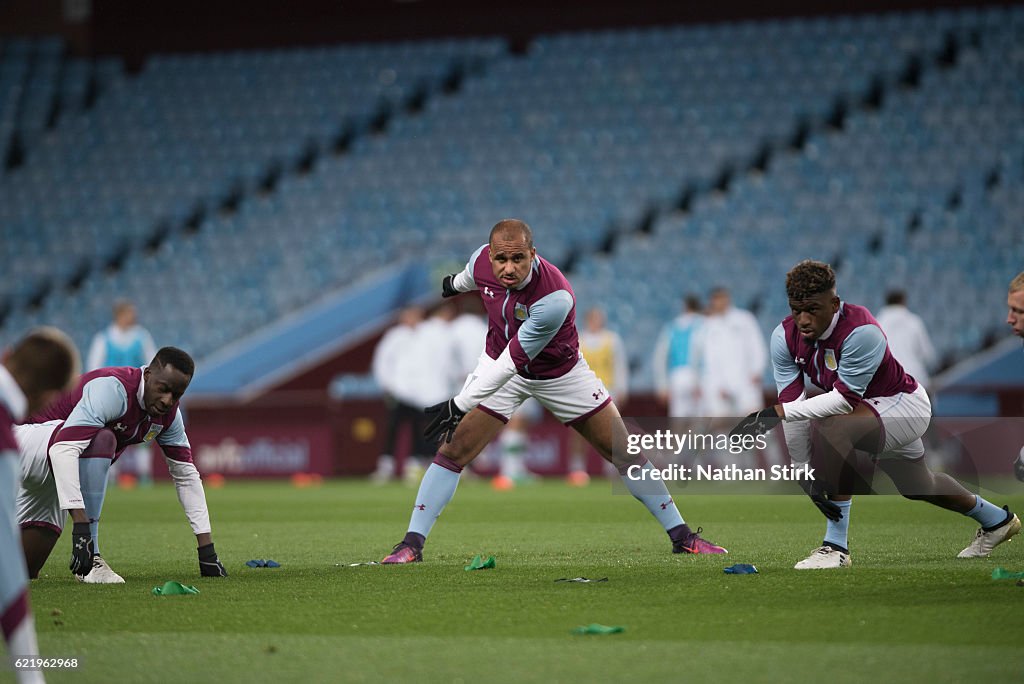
point(677, 360)
point(125, 343)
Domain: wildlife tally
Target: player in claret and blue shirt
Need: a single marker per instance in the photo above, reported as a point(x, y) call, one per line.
point(532, 350)
point(34, 372)
point(66, 451)
point(1015, 319)
point(869, 403)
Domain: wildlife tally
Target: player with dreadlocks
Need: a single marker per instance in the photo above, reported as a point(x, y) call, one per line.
point(869, 404)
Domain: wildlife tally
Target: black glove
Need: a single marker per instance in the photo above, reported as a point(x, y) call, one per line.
point(1018, 466)
point(446, 419)
point(448, 286)
point(819, 496)
point(81, 549)
point(757, 423)
point(209, 564)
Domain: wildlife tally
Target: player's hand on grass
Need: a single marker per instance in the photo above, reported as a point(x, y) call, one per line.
point(446, 418)
point(757, 423)
point(820, 498)
point(209, 564)
point(448, 286)
point(81, 549)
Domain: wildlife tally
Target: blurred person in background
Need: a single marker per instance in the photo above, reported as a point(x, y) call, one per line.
point(733, 357)
point(125, 343)
point(908, 338)
point(433, 365)
point(911, 345)
point(468, 335)
point(677, 361)
point(391, 363)
point(605, 352)
point(414, 364)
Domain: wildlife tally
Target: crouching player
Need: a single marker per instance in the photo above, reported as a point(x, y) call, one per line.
point(870, 404)
point(66, 451)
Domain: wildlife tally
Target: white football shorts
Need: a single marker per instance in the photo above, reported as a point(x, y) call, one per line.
point(37, 503)
point(904, 418)
point(572, 398)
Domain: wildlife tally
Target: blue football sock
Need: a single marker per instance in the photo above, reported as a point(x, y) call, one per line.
point(654, 495)
point(436, 489)
point(987, 514)
point(837, 533)
point(92, 473)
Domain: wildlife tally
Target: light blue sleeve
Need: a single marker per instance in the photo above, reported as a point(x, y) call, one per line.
point(546, 317)
point(103, 400)
point(464, 280)
point(784, 367)
point(174, 435)
point(862, 354)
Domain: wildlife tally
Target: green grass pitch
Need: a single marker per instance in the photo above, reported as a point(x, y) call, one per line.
point(907, 611)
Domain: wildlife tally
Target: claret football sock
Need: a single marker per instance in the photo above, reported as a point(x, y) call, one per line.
point(414, 539)
point(837, 532)
point(679, 534)
point(837, 547)
point(436, 489)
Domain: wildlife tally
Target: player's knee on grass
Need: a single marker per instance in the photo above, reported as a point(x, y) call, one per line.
point(37, 543)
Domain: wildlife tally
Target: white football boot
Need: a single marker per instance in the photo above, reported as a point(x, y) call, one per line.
point(100, 573)
point(825, 557)
point(984, 541)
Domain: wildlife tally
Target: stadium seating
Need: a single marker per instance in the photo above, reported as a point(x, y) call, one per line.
point(118, 185)
point(851, 196)
point(870, 141)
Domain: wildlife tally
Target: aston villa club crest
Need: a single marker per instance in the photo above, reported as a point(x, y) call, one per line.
point(830, 360)
point(154, 430)
point(521, 312)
